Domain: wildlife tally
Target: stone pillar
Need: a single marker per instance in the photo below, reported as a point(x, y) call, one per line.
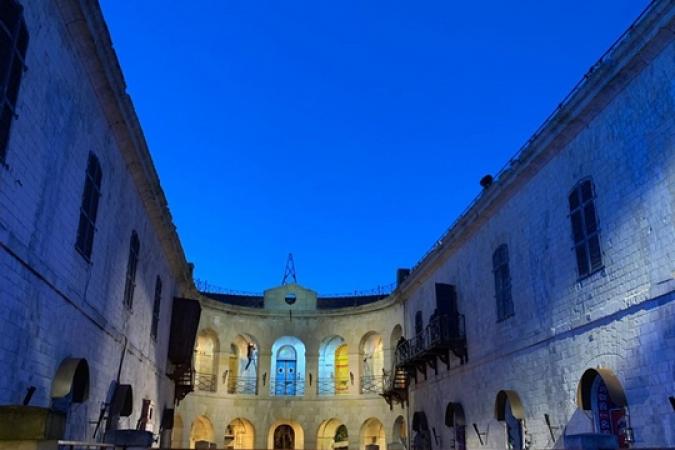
point(355, 369)
point(264, 367)
point(311, 366)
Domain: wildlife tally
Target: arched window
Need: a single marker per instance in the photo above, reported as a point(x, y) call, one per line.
point(243, 366)
point(206, 361)
point(371, 356)
point(288, 367)
point(333, 367)
point(132, 265)
point(500, 269)
point(13, 45)
point(89, 207)
point(585, 229)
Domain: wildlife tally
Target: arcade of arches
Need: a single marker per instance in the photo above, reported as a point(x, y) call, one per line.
point(288, 434)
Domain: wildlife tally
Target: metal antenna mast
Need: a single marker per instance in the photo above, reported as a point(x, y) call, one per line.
point(289, 273)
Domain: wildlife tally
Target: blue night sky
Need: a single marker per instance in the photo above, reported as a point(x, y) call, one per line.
point(350, 133)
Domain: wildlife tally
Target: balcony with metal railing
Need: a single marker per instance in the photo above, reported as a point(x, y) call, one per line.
point(242, 385)
point(287, 388)
point(372, 384)
point(205, 382)
point(328, 387)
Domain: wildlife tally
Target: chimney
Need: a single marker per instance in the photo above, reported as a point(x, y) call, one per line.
point(401, 275)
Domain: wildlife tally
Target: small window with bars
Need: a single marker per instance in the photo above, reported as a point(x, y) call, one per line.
point(89, 207)
point(13, 45)
point(132, 265)
point(585, 229)
point(155, 308)
point(502, 274)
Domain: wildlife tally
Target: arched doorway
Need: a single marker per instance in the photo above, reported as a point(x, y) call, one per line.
point(288, 367)
point(284, 438)
point(285, 434)
point(332, 435)
point(601, 393)
point(510, 411)
point(201, 433)
point(372, 435)
point(422, 436)
point(240, 434)
point(454, 419)
point(177, 432)
point(333, 367)
point(207, 349)
point(371, 356)
point(399, 435)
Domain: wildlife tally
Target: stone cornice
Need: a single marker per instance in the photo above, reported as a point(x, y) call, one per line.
point(86, 26)
point(634, 50)
point(379, 305)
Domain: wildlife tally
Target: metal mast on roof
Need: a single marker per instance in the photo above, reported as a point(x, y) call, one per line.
point(289, 273)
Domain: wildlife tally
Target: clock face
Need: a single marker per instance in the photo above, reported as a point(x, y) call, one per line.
point(290, 298)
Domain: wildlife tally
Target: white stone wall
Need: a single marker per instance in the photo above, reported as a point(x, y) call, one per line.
point(620, 318)
point(54, 303)
point(262, 410)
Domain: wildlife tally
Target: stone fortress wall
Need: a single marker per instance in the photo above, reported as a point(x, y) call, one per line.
point(617, 131)
point(57, 303)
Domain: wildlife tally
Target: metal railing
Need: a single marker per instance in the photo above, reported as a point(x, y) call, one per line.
point(372, 384)
point(442, 330)
point(287, 388)
point(242, 385)
point(205, 381)
point(331, 387)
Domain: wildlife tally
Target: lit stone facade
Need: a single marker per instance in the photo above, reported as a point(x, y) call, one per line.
point(315, 403)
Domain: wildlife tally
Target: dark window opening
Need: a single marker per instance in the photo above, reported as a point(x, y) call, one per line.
point(500, 269)
point(155, 308)
point(89, 207)
point(13, 45)
point(130, 284)
point(419, 323)
point(585, 229)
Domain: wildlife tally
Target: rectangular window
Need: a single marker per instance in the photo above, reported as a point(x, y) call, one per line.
point(132, 265)
point(155, 308)
point(13, 45)
point(502, 275)
point(89, 207)
point(584, 220)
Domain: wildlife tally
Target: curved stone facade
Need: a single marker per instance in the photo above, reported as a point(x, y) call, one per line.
point(340, 354)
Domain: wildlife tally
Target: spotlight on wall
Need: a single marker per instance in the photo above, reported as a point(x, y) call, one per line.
point(672, 402)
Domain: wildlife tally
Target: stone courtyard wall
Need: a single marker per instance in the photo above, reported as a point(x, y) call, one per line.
point(54, 303)
point(621, 317)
